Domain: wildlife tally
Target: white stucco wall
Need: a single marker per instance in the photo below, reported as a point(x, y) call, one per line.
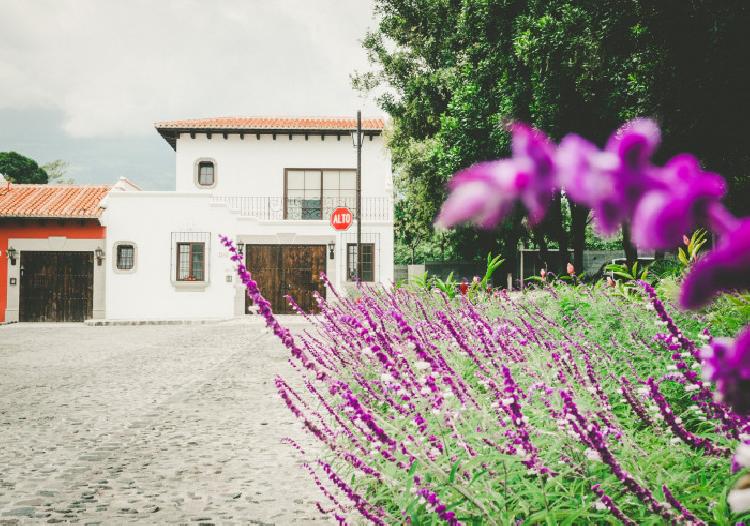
point(148, 219)
point(255, 167)
point(249, 167)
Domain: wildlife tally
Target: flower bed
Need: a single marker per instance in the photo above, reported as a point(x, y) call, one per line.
point(563, 405)
point(570, 405)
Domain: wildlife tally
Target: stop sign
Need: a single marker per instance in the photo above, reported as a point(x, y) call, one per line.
point(341, 218)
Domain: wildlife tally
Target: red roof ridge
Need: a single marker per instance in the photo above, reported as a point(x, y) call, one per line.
point(45, 185)
point(268, 121)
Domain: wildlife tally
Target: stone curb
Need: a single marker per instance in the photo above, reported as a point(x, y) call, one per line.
point(102, 323)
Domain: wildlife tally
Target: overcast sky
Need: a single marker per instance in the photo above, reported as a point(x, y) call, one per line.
point(84, 80)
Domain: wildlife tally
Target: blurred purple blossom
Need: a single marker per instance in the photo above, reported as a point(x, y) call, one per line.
point(678, 202)
point(485, 192)
point(727, 364)
point(725, 268)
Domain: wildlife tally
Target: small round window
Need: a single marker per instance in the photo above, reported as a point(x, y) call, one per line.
point(206, 173)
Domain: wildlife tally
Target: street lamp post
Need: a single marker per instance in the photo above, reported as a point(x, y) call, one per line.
point(357, 139)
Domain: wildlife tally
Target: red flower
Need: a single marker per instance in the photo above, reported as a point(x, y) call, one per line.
point(463, 287)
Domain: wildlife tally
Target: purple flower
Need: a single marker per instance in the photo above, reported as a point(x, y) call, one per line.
point(727, 364)
point(725, 268)
point(678, 203)
point(532, 147)
point(610, 182)
point(485, 192)
point(434, 504)
point(634, 143)
point(611, 506)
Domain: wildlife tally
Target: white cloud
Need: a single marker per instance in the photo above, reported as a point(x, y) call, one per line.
point(112, 68)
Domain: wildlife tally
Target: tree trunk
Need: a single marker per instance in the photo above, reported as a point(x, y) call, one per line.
point(631, 252)
point(580, 216)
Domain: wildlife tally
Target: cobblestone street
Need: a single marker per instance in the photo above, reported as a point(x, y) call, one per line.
point(151, 424)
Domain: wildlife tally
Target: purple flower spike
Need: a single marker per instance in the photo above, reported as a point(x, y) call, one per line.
point(680, 204)
point(485, 192)
point(625, 170)
point(724, 269)
point(532, 147)
point(577, 159)
point(610, 182)
point(727, 364)
point(634, 143)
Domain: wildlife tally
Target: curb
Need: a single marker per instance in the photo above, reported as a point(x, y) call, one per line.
point(103, 323)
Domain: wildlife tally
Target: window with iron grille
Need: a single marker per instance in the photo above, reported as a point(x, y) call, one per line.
point(368, 262)
point(191, 262)
point(206, 175)
point(125, 257)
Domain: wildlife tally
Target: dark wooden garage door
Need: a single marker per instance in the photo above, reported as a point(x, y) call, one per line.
point(56, 286)
point(287, 269)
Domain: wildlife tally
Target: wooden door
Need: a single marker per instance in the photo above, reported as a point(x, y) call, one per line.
point(302, 266)
point(287, 269)
point(56, 286)
point(264, 264)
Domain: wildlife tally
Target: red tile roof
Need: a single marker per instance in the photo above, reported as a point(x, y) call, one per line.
point(274, 123)
point(170, 130)
point(51, 201)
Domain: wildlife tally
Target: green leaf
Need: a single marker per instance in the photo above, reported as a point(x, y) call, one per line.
point(454, 470)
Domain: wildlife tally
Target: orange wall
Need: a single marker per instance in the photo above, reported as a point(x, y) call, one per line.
point(34, 229)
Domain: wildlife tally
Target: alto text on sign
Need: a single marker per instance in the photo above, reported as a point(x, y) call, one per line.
point(341, 218)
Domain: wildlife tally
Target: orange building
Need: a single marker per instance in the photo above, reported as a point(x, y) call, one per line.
point(51, 252)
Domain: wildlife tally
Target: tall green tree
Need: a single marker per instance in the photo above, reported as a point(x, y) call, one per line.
point(452, 73)
point(21, 169)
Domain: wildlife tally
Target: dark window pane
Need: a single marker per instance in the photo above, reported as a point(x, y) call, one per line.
point(125, 257)
point(311, 209)
point(183, 261)
point(197, 261)
point(191, 262)
point(368, 267)
point(205, 173)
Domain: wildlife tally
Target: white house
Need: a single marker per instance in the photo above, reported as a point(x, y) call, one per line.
point(270, 184)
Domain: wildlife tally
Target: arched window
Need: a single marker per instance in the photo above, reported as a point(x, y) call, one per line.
point(206, 173)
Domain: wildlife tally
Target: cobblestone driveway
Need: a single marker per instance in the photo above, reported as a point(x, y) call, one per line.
point(151, 424)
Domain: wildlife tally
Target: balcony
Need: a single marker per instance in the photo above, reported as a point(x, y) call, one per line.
point(278, 208)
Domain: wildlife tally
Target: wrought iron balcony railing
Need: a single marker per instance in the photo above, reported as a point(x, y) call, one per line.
point(277, 208)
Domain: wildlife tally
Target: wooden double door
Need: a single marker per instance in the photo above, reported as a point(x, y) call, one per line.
point(56, 286)
point(292, 270)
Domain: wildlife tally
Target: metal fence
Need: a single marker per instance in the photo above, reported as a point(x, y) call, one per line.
point(278, 208)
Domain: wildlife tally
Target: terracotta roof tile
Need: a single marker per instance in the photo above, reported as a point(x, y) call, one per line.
point(273, 123)
point(48, 201)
